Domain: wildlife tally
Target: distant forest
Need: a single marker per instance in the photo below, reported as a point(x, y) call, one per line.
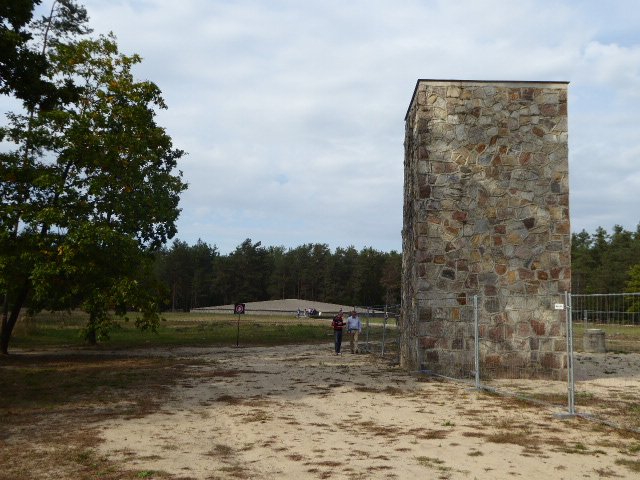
point(605, 263)
point(198, 275)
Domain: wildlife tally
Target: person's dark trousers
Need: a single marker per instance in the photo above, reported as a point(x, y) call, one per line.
point(338, 339)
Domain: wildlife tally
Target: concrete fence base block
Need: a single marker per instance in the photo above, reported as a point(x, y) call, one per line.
point(564, 416)
point(594, 341)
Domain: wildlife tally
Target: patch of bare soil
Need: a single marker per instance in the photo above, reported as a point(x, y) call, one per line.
point(302, 412)
point(50, 405)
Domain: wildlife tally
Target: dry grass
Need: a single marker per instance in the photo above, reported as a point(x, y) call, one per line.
point(520, 438)
point(436, 464)
point(230, 399)
point(427, 434)
point(260, 416)
point(44, 394)
point(633, 465)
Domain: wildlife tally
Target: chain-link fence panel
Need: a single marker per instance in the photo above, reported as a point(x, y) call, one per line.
point(606, 357)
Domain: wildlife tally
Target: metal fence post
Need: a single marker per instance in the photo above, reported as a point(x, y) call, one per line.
point(367, 336)
point(384, 331)
point(571, 394)
point(476, 335)
point(398, 337)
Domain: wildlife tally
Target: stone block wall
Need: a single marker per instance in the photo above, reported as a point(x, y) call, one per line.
point(486, 212)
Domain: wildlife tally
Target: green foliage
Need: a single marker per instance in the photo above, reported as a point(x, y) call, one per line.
point(90, 187)
point(24, 64)
point(633, 283)
point(632, 286)
point(188, 274)
point(604, 263)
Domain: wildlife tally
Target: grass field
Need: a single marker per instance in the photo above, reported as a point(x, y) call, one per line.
point(62, 329)
point(55, 329)
point(619, 338)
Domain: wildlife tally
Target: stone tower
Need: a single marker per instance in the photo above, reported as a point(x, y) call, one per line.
point(486, 212)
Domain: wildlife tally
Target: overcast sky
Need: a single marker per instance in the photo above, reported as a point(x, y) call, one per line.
point(292, 112)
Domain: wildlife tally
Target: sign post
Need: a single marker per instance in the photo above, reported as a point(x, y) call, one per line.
point(238, 309)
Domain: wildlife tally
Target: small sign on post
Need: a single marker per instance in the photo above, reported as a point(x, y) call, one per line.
point(559, 306)
point(238, 309)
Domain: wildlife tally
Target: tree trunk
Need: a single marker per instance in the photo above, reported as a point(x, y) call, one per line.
point(173, 297)
point(10, 322)
point(90, 336)
point(5, 316)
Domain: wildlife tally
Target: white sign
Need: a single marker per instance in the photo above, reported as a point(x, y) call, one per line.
point(559, 306)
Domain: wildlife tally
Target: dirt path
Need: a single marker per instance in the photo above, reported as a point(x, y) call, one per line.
point(301, 412)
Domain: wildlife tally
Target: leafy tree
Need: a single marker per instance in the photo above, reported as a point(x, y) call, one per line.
point(188, 273)
point(391, 279)
point(24, 65)
point(99, 164)
point(300, 260)
point(97, 268)
point(280, 273)
point(18, 65)
point(317, 279)
point(224, 281)
point(203, 261)
point(633, 284)
point(617, 258)
point(367, 275)
point(581, 261)
point(174, 272)
point(24, 68)
point(599, 274)
point(247, 271)
point(341, 268)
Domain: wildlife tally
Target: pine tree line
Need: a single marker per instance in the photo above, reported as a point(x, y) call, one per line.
point(605, 263)
point(198, 276)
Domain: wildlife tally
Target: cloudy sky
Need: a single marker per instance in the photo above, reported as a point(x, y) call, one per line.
point(292, 111)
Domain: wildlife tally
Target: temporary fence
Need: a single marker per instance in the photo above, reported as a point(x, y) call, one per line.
point(511, 344)
point(521, 348)
point(579, 353)
point(606, 357)
point(380, 330)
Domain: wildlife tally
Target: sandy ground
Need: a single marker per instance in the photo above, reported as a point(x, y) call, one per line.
point(301, 412)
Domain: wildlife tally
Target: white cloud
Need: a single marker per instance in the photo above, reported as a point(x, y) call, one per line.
point(292, 112)
point(612, 66)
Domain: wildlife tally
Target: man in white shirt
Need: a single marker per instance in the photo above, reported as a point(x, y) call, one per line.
point(354, 327)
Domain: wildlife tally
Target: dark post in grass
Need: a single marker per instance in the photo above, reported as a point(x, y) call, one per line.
point(238, 308)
